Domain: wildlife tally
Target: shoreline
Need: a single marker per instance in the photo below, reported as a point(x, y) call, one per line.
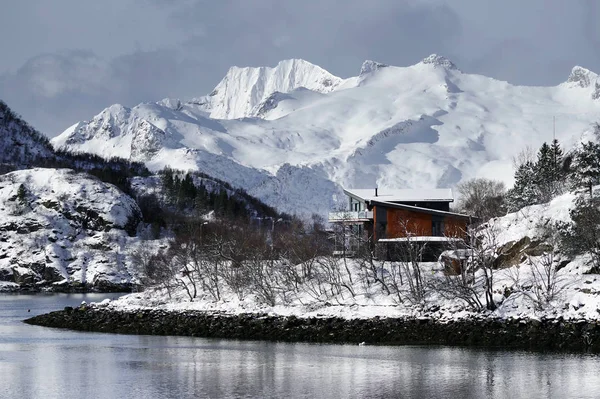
point(489, 333)
point(66, 289)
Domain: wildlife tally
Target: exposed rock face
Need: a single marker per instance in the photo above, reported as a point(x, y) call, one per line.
point(64, 229)
point(581, 76)
point(147, 141)
point(515, 252)
point(270, 103)
point(596, 93)
point(439, 61)
point(370, 66)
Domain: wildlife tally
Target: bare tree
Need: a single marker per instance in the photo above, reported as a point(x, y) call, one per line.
point(545, 282)
point(263, 274)
point(372, 268)
point(181, 257)
point(405, 277)
point(483, 249)
point(459, 280)
point(482, 198)
point(526, 155)
point(336, 278)
point(155, 269)
point(469, 270)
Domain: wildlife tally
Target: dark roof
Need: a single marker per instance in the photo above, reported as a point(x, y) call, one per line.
point(420, 209)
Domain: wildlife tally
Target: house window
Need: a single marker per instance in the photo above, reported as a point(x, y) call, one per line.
point(437, 228)
point(381, 230)
point(358, 230)
point(355, 205)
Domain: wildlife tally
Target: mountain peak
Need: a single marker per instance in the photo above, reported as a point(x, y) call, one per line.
point(581, 76)
point(370, 66)
point(172, 103)
point(439, 61)
point(296, 62)
point(242, 89)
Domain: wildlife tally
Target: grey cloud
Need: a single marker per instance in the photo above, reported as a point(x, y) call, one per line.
point(53, 91)
point(144, 50)
point(336, 35)
point(534, 42)
point(59, 88)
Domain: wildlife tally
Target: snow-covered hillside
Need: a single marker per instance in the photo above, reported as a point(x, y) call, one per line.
point(58, 227)
point(301, 132)
point(20, 144)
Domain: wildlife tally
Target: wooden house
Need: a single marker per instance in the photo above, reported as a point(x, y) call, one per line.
point(391, 218)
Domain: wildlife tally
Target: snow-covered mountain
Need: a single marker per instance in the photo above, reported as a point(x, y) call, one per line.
point(291, 135)
point(243, 91)
point(20, 144)
point(58, 227)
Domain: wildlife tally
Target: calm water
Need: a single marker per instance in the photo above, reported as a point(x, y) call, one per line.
point(37, 362)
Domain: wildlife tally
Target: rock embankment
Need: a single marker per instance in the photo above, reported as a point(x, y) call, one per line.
point(551, 334)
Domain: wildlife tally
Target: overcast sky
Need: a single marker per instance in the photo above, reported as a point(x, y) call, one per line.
point(65, 60)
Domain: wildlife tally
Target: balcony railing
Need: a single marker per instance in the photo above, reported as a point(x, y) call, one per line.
point(351, 216)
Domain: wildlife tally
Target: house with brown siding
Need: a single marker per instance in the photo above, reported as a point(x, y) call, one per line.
point(395, 216)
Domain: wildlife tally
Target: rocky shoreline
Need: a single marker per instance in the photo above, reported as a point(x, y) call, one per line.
point(538, 335)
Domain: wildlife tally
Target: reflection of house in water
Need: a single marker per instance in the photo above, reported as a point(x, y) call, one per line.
point(396, 220)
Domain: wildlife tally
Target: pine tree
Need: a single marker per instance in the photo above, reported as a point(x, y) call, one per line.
point(548, 171)
point(582, 234)
point(22, 194)
point(524, 192)
point(586, 168)
point(168, 183)
point(558, 174)
point(188, 188)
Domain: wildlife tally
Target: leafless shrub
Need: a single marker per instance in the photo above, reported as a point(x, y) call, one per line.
point(372, 269)
point(545, 282)
point(471, 277)
point(155, 269)
point(526, 155)
point(482, 198)
point(337, 279)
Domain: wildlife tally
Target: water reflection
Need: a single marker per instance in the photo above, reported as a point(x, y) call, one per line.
point(38, 362)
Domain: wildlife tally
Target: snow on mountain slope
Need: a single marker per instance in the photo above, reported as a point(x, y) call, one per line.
point(426, 125)
point(242, 89)
point(65, 228)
